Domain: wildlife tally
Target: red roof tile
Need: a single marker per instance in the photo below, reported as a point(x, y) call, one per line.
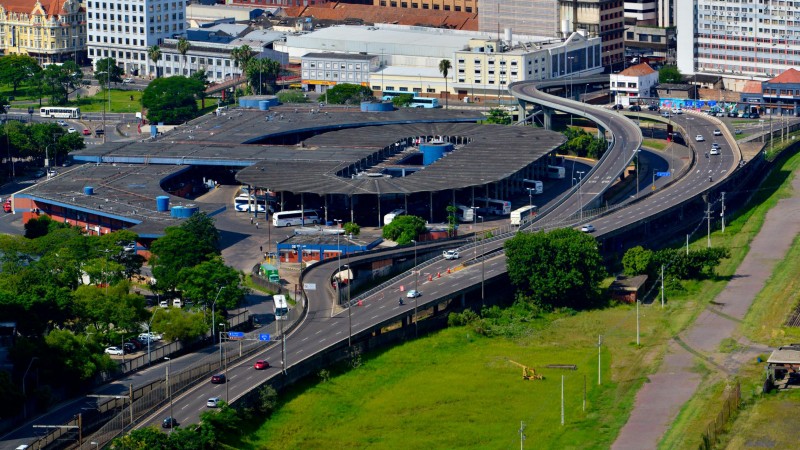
point(638, 70)
point(51, 7)
point(752, 87)
point(377, 14)
point(789, 76)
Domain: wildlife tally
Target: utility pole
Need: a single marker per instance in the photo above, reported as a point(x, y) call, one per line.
point(562, 400)
point(521, 435)
point(637, 322)
point(687, 245)
point(599, 344)
point(722, 212)
point(708, 219)
point(662, 285)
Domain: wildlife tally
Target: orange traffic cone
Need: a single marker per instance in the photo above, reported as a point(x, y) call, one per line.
point(448, 270)
point(359, 303)
point(430, 277)
point(438, 274)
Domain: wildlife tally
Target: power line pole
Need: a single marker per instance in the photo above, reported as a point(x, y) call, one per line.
point(599, 344)
point(637, 322)
point(662, 285)
point(722, 212)
point(522, 435)
point(562, 400)
point(708, 219)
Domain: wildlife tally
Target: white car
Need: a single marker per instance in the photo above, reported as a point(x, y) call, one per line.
point(451, 254)
point(127, 81)
point(714, 151)
point(213, 402)
point(699, 138)
point(71, 130)
point(114, 351)
point(413, 293)
point(588, 228)
point(163, 304)
point(62, 123)
point(717, 133)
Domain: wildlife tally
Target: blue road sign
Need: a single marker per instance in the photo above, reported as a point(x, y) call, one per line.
point(662, 174)
point(235, 335)
point(263, 337)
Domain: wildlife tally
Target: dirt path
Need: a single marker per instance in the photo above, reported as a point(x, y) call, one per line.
point(659, 401)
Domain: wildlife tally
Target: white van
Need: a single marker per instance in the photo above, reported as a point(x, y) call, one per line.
point(388, 218)
point(176, 302)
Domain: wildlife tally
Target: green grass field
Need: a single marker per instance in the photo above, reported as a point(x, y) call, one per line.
point(655, 144)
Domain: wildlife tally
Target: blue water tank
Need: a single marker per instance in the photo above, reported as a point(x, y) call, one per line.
point(176, 212)
point(376, 106)
point(263, 105)
point(432, 151)
point(88, 190)
point(189, 211)
point(162, 203)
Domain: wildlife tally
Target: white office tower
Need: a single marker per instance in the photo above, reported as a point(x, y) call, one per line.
point(126, 29)
point(738, 39)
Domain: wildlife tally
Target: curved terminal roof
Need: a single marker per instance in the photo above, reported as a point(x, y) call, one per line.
point(493, 153)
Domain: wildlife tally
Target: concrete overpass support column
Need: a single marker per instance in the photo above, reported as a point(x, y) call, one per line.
point(463, 300)
point(435, 309)
point(547, 114)
point(379, 210)
point(430, 199)
point(351, 208)
point(325, 198)
point(601, 132)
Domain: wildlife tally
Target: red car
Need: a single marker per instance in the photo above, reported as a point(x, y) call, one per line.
point(261, 364)
point(87, 132)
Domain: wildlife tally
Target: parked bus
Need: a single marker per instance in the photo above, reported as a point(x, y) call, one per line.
point(60, 112)
point(388, 218)
point(465, 213)
point(493, 206)
point(535, 185)
point(524, 214)
point(248, 203)
point(416, 102)
point(555, 172)
point(280, 307)
point(296, 217)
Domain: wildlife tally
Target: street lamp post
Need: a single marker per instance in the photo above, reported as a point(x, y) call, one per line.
point(416, 292)
point(24, 395)
point(349, 311)
point(169, 392)
point(213, 310)
point(530, 196)
point(580, 191)
point(483, 270)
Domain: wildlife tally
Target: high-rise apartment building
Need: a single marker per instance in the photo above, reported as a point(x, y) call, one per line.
point(559, 18)
point(738, 39)
point(49, 31)
point(125, 29)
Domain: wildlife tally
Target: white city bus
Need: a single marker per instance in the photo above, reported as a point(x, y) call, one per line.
point(296, 217)
point(535, 185)
point(248, 203)
point(524, 214)
point(60, 112)
point(280, 307)
point(465, 213)
point(555, 172)
point(493, 206)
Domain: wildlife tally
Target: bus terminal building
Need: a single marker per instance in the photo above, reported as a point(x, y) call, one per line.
point(347, 164)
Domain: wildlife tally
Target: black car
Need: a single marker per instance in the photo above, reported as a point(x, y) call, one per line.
point(617, 106)
point(746, 116)
point(635, 108)
point(652, 108)
point(218, 379)
point(136, 344)
point(169, 422)
point(128, 347)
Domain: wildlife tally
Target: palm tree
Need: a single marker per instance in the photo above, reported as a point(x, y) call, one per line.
point(241, 56)
point(154, 53)
point(444, 69)
point(262, 71)
point(183, 47)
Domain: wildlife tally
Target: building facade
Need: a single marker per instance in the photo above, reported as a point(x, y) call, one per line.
point(602, 18)
point(470, 6)
point(633, 83)
point(126, 29)
point(48, 32)
point(738, 39)
point(320, 70)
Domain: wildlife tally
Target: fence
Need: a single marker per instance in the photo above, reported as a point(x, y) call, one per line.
point(729, 406)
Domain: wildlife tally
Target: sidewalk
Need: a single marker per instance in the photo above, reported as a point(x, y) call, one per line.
point(659, 401)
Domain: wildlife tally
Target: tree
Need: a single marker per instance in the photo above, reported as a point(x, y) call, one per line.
point(499, 116)
point(194, 242)
point(201, 226)
point(106, 71)
point(183, 46)
point(404, 229)
point(201, 283)
point(154, 53)
point(402, 100)
point(16, 69)
point(60, 81)
point(172, 100)
point(444, 69)
point(351, 228)
point(201, 76)
point(176, 324)
point(452, 220)
point(561, 268)
point(637, 261)
point(670, 74)
point(262, 75)
point(241, 56)
point(342, 93)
